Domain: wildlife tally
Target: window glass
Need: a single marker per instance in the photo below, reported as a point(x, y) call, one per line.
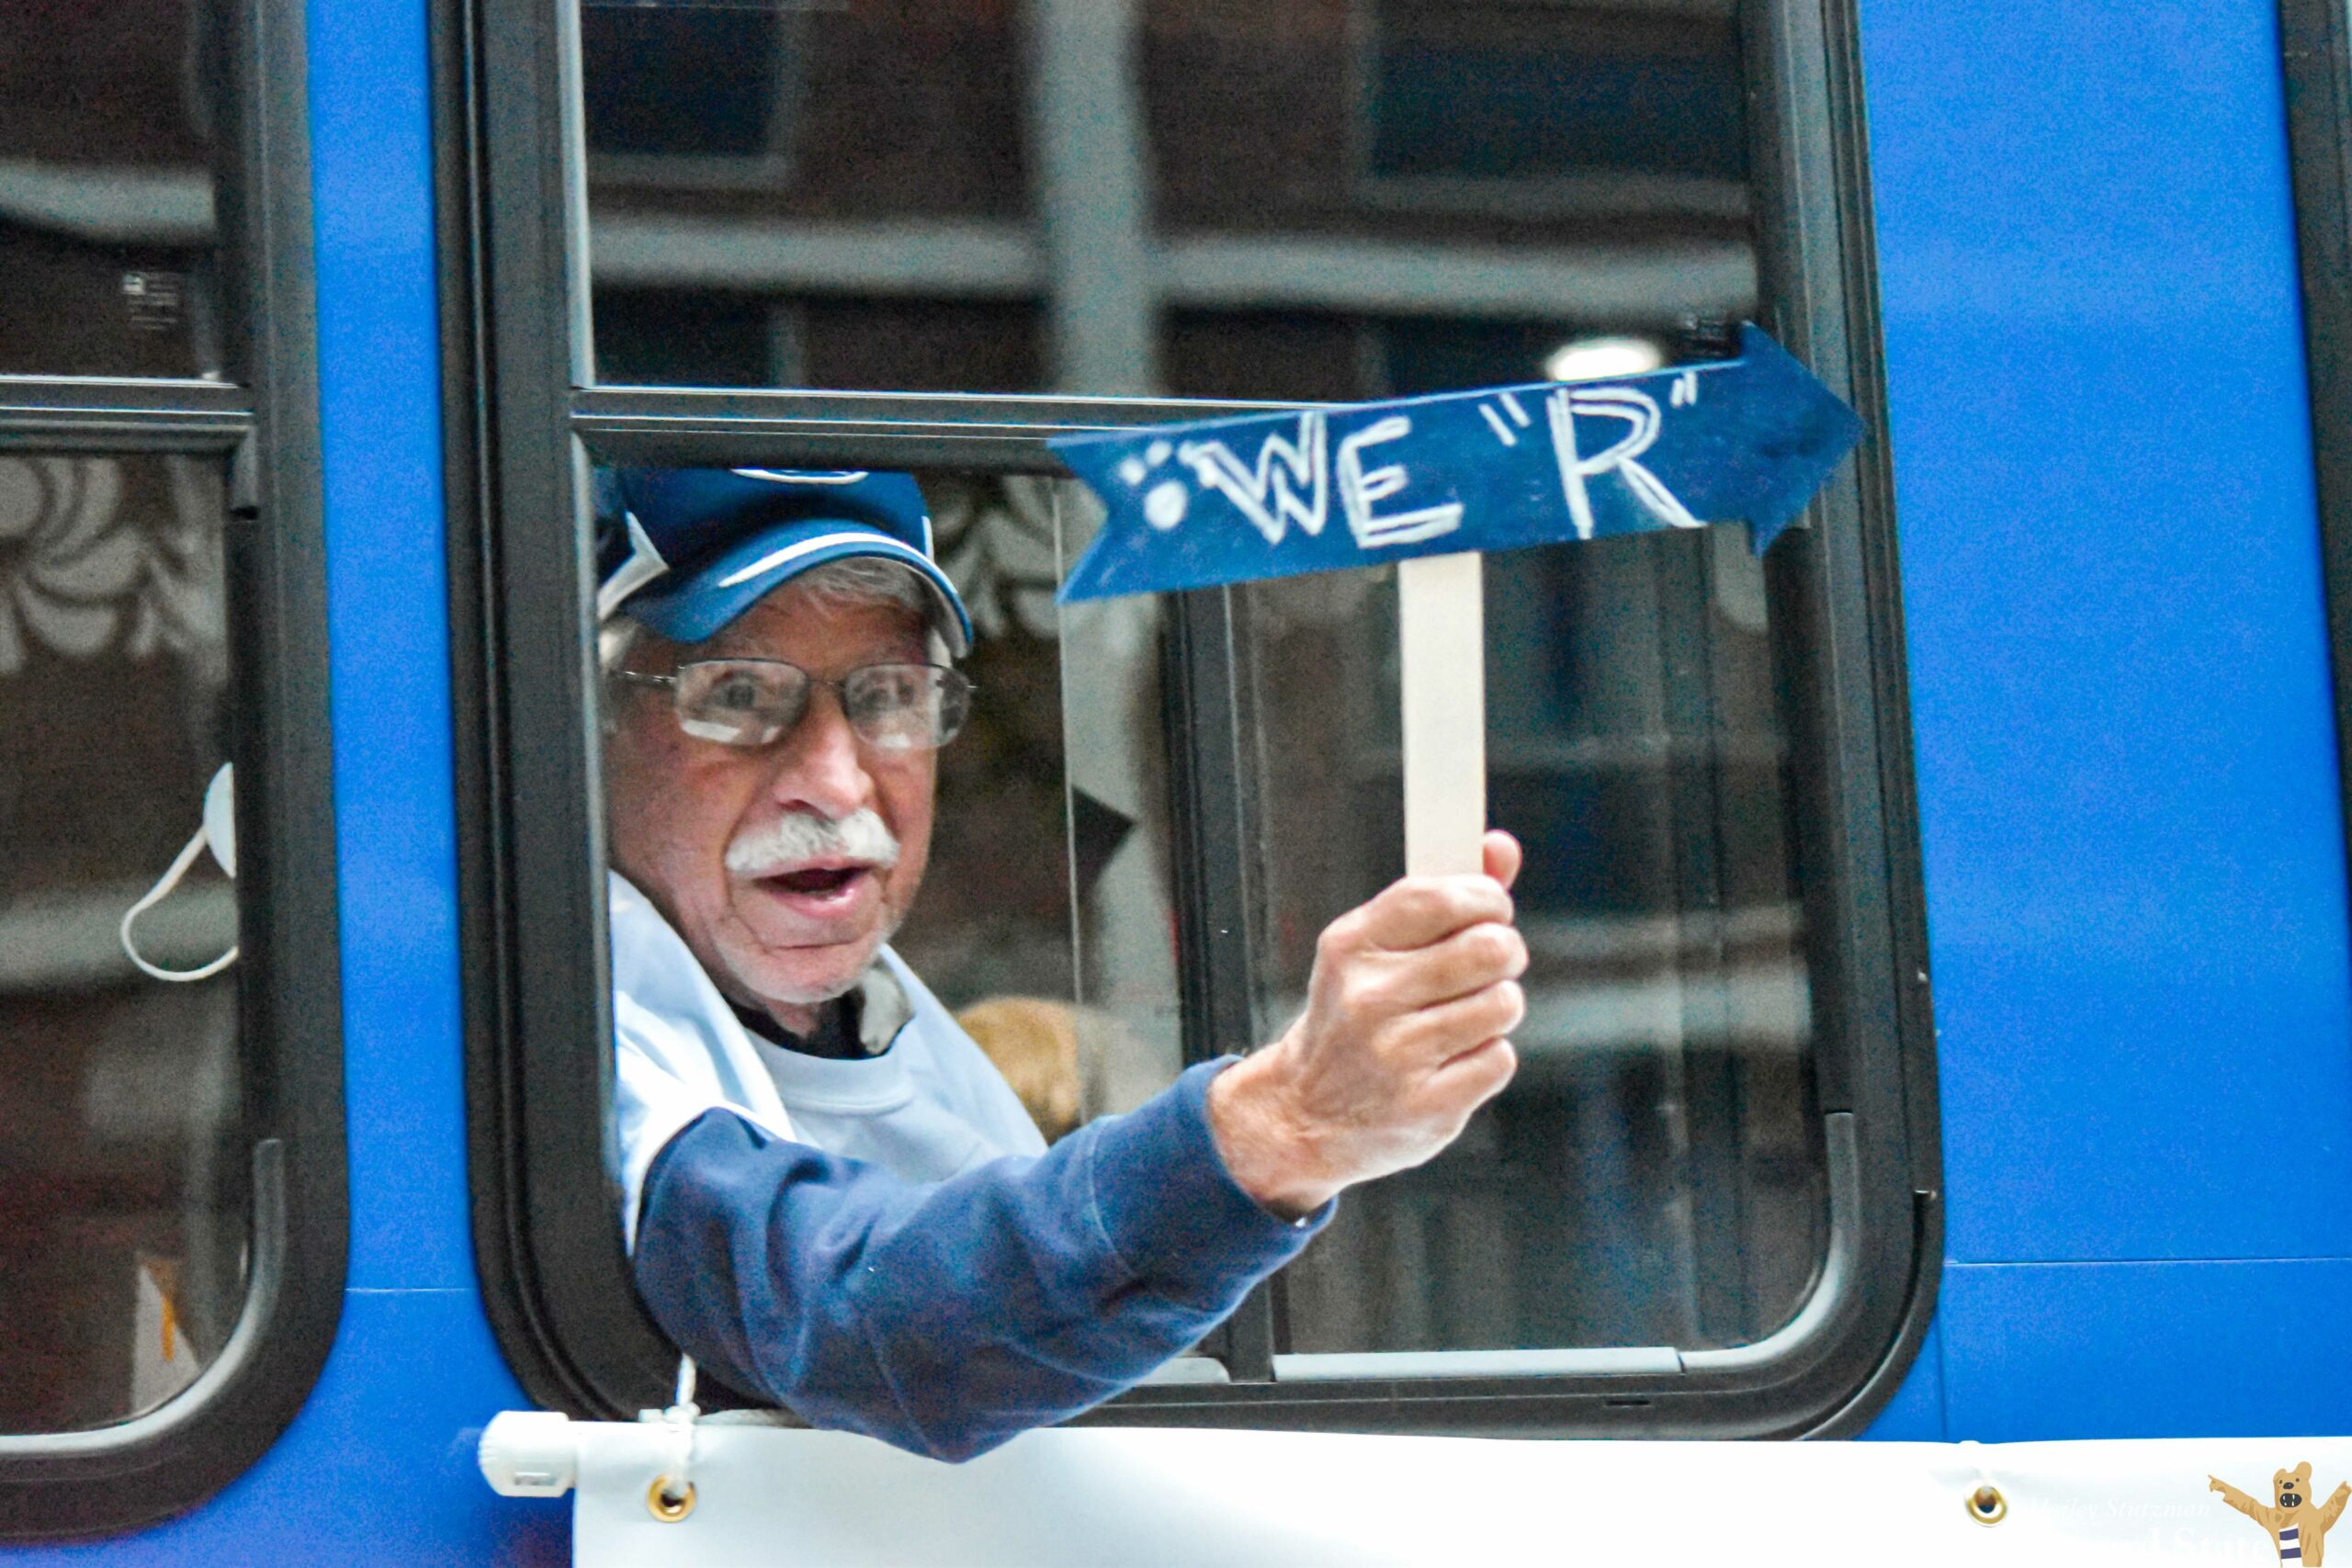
point(810, 194)
point(1464, 98)
point(1045, 920)
point(106, 126)
point(712, 338)
point(1226, 197)
point(1652, 1176)
point(993, 921)
point(123, 1222)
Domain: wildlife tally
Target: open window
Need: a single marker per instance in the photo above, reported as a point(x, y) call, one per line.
point(173, 1213)
point(1708, 1203)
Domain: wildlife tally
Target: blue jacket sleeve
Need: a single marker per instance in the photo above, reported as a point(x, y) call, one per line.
point(948, 1317)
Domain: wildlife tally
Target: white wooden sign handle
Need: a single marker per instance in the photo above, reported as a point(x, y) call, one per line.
point(1441, 633)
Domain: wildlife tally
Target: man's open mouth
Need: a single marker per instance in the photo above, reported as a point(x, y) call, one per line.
point(829, 885)
point(817, 881)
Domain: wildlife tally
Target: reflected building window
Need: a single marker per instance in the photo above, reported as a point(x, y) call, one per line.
point(123, 1219)
point(688, 95)
point(1561, 107)
point(1215, 197)
point(106, 231)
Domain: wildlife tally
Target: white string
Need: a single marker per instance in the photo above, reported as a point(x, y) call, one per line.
point(156, 895)
point(680, 1417)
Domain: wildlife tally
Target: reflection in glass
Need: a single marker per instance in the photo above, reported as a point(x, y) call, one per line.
point(1304, 199)
point(1201, 197)
point(122, 1213)
point(1654, 1175)
point(1651, 1176)
point(1044, 920)
point(107, 129)
point(1464, 100)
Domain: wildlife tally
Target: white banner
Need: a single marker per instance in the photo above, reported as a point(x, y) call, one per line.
point(1141, 1496)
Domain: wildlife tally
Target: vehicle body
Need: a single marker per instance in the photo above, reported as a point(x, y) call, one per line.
point(2073, 747)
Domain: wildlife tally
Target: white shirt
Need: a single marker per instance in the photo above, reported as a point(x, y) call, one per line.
point(929, 1106)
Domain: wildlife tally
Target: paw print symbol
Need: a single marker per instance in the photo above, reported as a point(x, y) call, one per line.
point(1165, 503)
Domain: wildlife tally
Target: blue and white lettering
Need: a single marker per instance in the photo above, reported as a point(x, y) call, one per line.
point(1282, 469)
point(1717, 441)
point(1361, 492)
point(1637, 409)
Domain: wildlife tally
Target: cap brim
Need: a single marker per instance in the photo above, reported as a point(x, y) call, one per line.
point(693, 610)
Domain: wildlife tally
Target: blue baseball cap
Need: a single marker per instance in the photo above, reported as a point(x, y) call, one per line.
point(686, 550)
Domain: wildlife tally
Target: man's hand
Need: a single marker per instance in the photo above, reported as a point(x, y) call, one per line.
point(1404, 1036)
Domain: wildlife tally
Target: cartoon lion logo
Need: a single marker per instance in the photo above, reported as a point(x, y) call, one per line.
point(2298, 1528)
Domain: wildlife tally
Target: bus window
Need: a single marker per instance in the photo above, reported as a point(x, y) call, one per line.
point(1047, 921)
point(126, 1227)
point(2315, 46)
point(1050, 878)
point(802, 226)
point(787, 196)
point(107, 132)
point(1653, 1175)
point(173, 1246)
point(1116, 196)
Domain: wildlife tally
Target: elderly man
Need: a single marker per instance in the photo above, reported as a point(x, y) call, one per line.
point(833, 1199)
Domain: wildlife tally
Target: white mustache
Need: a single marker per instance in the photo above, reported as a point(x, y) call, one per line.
point(800, 837)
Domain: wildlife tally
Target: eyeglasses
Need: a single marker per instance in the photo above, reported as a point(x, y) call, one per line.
point(755, 702)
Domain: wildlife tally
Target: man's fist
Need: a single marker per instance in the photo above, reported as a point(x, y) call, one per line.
point(1403, 1035)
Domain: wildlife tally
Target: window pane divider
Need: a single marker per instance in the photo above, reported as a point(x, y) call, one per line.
point(713, 422)
point(92, 411)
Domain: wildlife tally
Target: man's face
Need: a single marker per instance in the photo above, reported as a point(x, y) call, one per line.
point(785, 936)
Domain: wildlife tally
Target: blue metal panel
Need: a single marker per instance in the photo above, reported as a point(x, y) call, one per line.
point(380, 1467)
point(2146, 1349)
point(2134, 842)
point(379, 395)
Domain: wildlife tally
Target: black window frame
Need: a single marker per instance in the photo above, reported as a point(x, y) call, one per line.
point(2315, 54)
point(526, 421)
point(261, 422)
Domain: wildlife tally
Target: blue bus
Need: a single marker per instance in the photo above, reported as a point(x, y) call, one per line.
point(325, 317)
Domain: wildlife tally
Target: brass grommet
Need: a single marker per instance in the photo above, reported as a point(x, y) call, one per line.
point(1985, 1505)
point(667, 1506)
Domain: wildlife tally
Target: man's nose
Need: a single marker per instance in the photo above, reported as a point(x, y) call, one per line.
point(820, 766)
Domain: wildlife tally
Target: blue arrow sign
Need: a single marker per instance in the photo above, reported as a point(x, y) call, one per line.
point(1269, 495)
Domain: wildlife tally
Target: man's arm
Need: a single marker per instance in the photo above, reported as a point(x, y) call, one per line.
point(946, 1318)
point(2332, 1509)
point(1404, 1035)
